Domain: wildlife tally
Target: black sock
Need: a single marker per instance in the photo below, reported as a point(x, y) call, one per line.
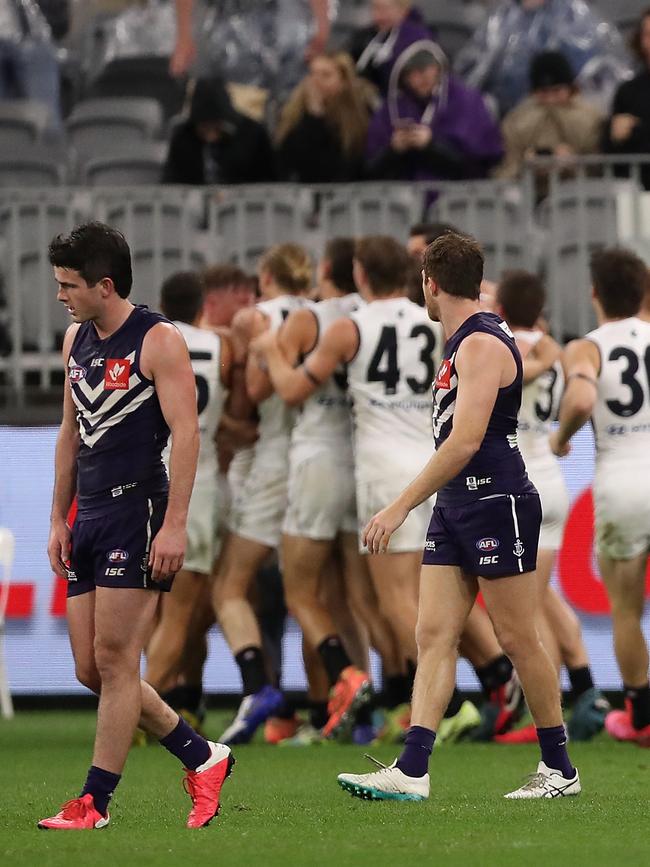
point(101, 784)
point(454, 705)
point(251, 667)
point(364, 716)
point(318, 715)
point(396, 691)
point(176, 697)
point(581, 680)
point(334, 657)
point(494, 674)
point(193, 696)
point(639, 696)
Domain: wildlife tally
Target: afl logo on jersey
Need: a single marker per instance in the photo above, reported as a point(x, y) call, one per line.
point(117, 556)
point(76, 373)
point(443, 378)
point(117, 373)
point(487, 544)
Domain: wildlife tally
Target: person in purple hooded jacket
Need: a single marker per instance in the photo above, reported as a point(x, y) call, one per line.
point(432, 126)
point(396, 24)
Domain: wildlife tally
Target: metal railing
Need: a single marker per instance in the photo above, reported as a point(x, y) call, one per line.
point(585, 205)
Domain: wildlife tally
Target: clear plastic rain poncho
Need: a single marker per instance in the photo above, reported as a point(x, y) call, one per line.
point(497, 58)
point(255, 42)
point(147, 29)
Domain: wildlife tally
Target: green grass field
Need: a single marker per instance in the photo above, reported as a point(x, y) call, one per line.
point(283, 807)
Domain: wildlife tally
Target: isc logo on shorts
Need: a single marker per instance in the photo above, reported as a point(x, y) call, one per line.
point(117, 373)
point(117, 556)
point(487, 544)
point(114, 572)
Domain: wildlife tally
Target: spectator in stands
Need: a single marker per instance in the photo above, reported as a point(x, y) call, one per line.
point(431, 126)
point(57, 15)
point(260, 47)
point(216, 144)
point(423, 234)
point(553, 121)
point(28, 65)
point(628, 130)
point(396, 25)
point(498, 57)
point(322, 131)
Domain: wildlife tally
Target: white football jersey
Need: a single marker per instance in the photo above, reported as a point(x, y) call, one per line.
point(205, 355)
point(276, 418)
point(325, 416)
point(400, 350)
point(621, 418)
point(540, 402)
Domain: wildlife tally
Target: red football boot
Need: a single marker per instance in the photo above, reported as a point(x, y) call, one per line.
point(79, 814)
point(525, 735)
point(204, 785)
point(618, 723)
point(350, 692)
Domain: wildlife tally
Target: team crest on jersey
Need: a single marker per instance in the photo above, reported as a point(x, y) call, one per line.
point(443, 377)
point(76, 373)
point(117, 374)
point(117, 556)
point(518, 549)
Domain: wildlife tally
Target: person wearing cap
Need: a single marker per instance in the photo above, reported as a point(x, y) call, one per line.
point(217, 144)
point(432, 126)
point(552, 121)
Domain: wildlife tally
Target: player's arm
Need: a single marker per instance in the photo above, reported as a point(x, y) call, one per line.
point(65, 472)
point(258, 382)
point(225, 360)
point(297, 336)
point(294, 385)
point(540, 358)
point(581, 362)
point(166, 360)
point(480, 365)
point(184, 50)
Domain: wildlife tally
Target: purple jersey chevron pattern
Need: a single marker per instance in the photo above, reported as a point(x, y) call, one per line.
point(498, 467)
point(121, 426)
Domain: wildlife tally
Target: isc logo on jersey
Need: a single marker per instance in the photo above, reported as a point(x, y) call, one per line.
point(117, 373)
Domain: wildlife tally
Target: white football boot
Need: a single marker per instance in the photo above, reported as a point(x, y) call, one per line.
point(386, 784)
point(547, 783)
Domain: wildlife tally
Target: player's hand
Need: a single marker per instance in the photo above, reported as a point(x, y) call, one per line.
point(381, 527)
point(261, 344)
point(58, 548)
point(167, 552)
point(557, 447)
point(622, 126)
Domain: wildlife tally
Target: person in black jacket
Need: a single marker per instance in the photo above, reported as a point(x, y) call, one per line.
point(217, 144)
point(628, 130)
point(322, 128)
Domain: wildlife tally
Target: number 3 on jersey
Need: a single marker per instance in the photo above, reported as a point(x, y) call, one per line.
point(384, 364)
point(629, 378)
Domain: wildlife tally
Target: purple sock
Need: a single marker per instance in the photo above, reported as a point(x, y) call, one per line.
point(188, 746)
point(101, 785)
point(552, 742)
point(414, 761)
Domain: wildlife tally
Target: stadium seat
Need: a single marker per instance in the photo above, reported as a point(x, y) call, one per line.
point(140, 77)
point(246, 221)
point(31, 166)
point(451, 35)
point(581, 216)
point(95, 123)
point(127, 166)
point(493, 212)
point(7, 547)
point(21, 122)
point(370, 209)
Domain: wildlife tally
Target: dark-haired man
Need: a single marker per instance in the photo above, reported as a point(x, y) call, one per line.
point(607, 381)
point(483, 533)
point(129, 384)
point(210, 354)
point(520, 300)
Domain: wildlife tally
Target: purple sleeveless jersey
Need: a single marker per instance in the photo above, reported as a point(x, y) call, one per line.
point(121, 426)
point(497, 467)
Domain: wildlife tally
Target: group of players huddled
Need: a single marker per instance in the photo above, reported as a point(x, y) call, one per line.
point(314, 407)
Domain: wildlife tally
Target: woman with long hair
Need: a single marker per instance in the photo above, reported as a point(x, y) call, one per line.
point(321, 133)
